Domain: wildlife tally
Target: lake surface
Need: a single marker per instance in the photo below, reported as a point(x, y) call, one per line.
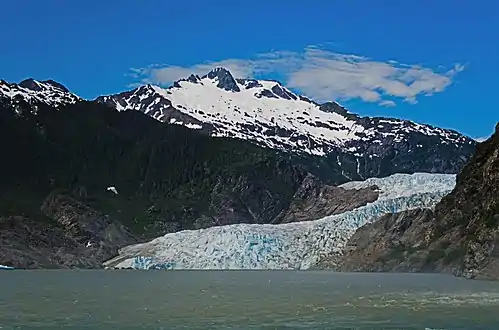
point(243, 300)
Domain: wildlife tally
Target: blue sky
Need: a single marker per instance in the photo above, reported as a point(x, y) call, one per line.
point(446, 52)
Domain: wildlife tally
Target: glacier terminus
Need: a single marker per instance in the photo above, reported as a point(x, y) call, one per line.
point(298, 245)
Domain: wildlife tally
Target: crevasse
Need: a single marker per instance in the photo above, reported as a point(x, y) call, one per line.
point(296, 245)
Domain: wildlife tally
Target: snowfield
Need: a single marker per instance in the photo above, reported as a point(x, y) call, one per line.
point(267, 113)
point(296, 245)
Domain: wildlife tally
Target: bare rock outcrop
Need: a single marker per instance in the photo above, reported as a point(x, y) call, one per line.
point(315, 200)
point(73, 236)
point(461, 236)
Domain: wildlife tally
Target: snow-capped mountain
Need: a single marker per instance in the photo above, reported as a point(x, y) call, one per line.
point(298, 245)
point(258, 110)
point(33, 92)
point(266, 112)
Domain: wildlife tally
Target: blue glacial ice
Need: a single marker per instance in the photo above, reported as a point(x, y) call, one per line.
point(296, 245)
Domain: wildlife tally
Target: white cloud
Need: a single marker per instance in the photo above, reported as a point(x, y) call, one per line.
point(481, 139)
point(324, 75)
point(387, 103)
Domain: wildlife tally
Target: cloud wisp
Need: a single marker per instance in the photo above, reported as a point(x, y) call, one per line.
point(323, 75)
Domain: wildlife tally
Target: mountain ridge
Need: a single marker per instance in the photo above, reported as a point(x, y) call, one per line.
point(268, 114)
point(82, 180)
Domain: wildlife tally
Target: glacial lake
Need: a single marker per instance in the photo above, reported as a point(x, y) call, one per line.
point(121, 299)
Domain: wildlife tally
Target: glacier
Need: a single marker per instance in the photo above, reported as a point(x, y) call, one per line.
point(298, 245)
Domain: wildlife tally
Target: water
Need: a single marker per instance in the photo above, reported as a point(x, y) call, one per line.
point(243, 300)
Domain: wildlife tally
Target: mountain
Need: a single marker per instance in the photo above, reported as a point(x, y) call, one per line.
point(460, 236)
point(84, 172)
point(267, 113)
point(81, 179)
point(35, 92)
point(297, 245)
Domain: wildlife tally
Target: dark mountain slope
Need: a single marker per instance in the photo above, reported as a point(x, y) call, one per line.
point(80, 181)
point(460, 236)
point(164, 174)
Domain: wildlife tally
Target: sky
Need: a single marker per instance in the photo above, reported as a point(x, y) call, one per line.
point(434, 62)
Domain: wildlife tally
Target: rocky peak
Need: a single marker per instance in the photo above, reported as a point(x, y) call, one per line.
point(145, 88)
point(280, 91)
point(333, 107)
point(32, 84)
point(35, 92)
point(195, 79)
point(39, 86)
point(225, 79)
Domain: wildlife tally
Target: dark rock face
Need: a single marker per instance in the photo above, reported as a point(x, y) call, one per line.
point(225, 79)
point(266, 93)
point(392, 243)
point(86, 225)
point(469, 216)
point(30, 84)
point(249, 83)
point(461, 236)
point(34, 86)
point(314, 200)
point(335, 107)
point(279, 91)
point(417, 153)
point(77, 237)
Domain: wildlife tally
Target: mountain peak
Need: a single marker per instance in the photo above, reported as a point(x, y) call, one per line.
point(35, 91)
point(32, 84)
point(39, 86)
point(217, 70)
point(224, 78)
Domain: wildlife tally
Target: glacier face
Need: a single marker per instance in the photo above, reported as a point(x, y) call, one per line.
point(296, 245)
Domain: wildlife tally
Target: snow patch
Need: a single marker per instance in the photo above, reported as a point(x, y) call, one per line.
point(112, 189)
